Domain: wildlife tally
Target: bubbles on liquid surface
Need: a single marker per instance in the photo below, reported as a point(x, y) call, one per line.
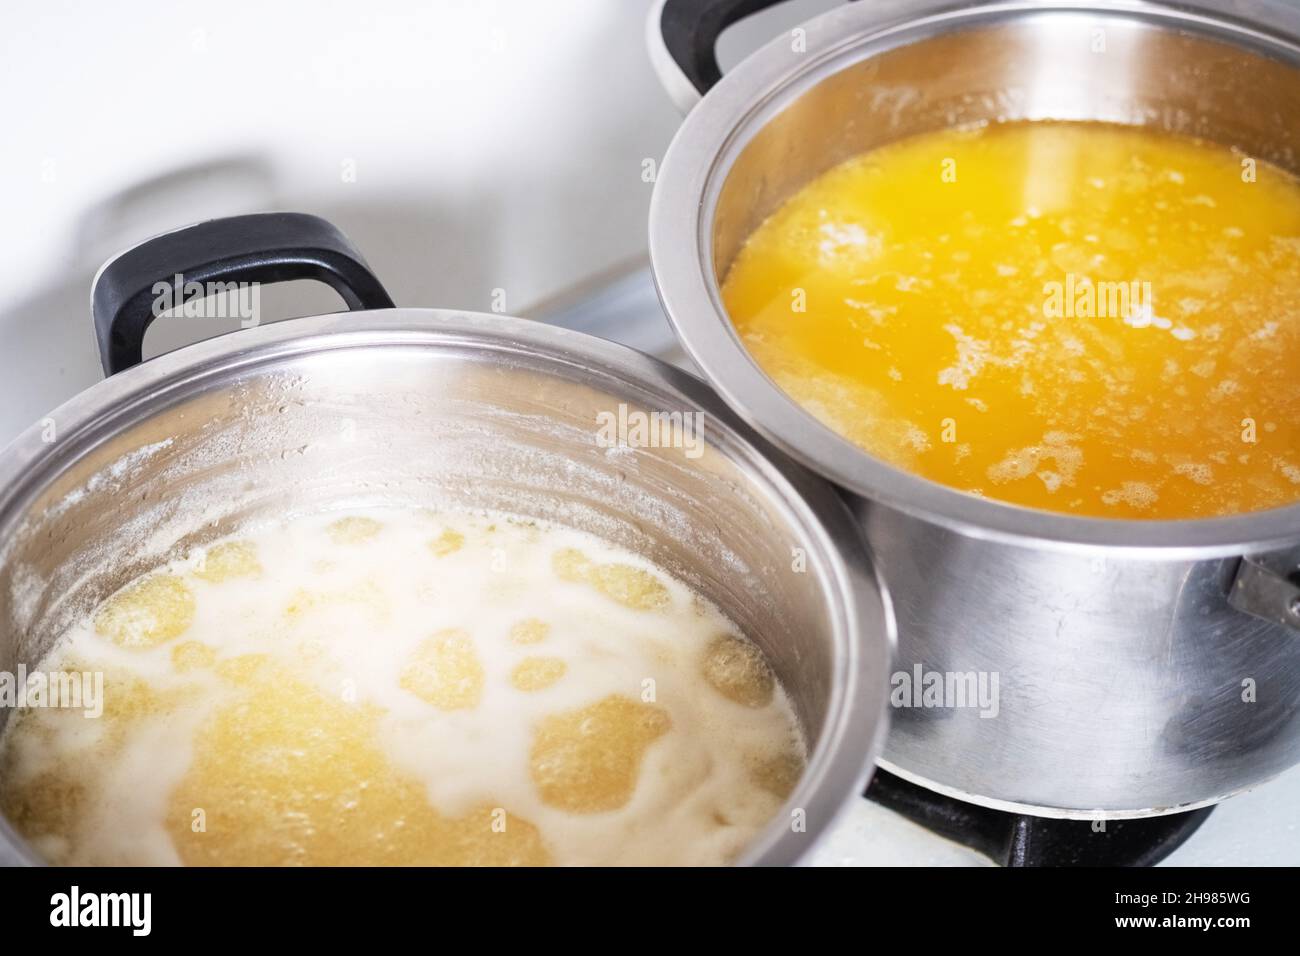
point(587, 760)
point(537, 673)
point(1118, 286)
point(446, 671)
point(229, 560)
point(150, 611)
point(778, 773)
point(529, 631)
point(628, 585)
point(286, 775)
point(736, 669)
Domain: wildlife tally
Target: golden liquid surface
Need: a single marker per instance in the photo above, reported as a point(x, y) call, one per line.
point(1081, 318)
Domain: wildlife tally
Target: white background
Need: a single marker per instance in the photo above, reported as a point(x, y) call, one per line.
point(495, 145)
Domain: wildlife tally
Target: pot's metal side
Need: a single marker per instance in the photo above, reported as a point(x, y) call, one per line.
point(1104, 686)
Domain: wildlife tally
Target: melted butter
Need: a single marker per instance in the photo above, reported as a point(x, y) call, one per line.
point(446, 671)
point(284, 775)
point(537, 673)
point(955, 303)
point(529, 631)
point(334, 690)
point(449, 542)
point(628, 585)
point(151, 611)
point(737, 670)
point(588, 760)
point(229, 560)
point(778, 773)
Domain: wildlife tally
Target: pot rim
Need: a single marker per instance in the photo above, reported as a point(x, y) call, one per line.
point(862, 620)
point(691, 177)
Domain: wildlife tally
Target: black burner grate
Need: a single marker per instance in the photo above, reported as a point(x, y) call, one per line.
point(1015, 839)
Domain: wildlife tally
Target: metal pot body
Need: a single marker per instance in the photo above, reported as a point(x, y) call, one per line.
point(428, 408)
point(1118, 686)
point(1141, 666)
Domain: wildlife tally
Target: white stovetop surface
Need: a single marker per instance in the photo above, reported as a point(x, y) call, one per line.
point(495, 144)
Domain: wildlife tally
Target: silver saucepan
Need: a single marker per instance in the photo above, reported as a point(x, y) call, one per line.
point(428, 407)
point(1144, 666)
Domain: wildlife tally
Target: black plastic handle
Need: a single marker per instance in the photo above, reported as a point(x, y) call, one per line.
point(265, 247)
point(691, 29)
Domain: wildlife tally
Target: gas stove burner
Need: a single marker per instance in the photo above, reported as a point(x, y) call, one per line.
point(1017, 839)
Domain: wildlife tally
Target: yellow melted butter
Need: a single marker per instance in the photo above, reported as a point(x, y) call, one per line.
point(929, 301)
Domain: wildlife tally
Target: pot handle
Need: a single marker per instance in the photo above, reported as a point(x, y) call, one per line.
point(681, 36)
point(133, 288)
point(1267, 586)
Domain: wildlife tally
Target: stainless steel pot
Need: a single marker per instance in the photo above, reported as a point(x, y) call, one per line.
point(1143, 666)
point(427, 407)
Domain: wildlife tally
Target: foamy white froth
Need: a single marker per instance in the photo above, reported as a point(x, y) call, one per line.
point(346, 614)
